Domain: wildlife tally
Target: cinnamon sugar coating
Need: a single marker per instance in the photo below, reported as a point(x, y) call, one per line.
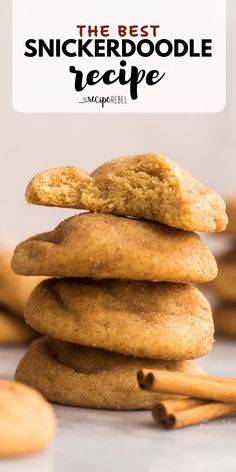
point(146, 319)
point(149, 186)
point(108, 246)
point(89, 377)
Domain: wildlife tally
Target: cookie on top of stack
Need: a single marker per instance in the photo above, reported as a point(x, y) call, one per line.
point(121, 298)
point(224, 286)
point(14, 291)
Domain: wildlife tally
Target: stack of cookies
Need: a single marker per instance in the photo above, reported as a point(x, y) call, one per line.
point(224, 286)
point(14, 291)
point(121, 297)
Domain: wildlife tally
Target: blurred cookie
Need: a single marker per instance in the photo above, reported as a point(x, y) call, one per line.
point(14, 290)
point(145, 319)
point(225, 283)
point(89, 377)
point(108, 246)
point(225, 319)
point(27, 421)
point(147, 186)
point(231, 212)
point(14, 330)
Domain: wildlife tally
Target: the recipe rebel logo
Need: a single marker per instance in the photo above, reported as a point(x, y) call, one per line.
point(175, 64)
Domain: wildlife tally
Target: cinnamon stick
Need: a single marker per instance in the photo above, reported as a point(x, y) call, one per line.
point(201, 387)
point(165, 408)
point(195, 415)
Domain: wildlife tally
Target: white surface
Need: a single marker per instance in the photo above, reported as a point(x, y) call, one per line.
point(102, 441)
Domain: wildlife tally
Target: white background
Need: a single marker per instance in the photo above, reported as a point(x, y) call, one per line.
point(190, 84)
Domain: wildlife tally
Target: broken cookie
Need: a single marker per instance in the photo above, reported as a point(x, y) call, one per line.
point(148, 186)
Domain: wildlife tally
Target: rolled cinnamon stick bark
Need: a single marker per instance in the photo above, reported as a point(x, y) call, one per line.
point(196, 415)
point(170, 407)
point(201, 387)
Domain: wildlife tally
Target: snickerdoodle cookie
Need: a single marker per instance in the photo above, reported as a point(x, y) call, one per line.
point(27, 421)
point(225, 319)
point(108, 246)
point(14, 290)
point(89, 377)
point(14, 330)
point(231, 212)
point(225, 283)
point(149, 186)
point(146, 319)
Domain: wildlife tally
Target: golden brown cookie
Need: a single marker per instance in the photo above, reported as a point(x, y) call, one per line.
point(225, 319)
point(225, 283)
point(14, 330)
point(27, 421)
point(14, 290)
point(149, 186)
point(231, 212)
point(108, 246)
point(145, 319)
point(89, 377)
